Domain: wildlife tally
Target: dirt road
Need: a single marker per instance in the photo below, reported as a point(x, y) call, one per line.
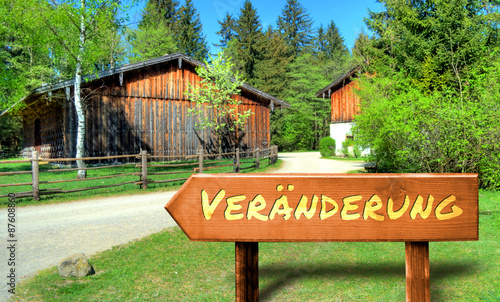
point(49, 233)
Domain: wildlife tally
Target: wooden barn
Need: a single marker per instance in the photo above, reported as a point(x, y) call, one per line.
point(134, 107)
point(344, 105)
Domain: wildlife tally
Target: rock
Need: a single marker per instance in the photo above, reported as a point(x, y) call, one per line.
point(75, 266)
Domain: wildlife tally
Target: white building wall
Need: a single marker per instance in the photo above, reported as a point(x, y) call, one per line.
point(338, 131)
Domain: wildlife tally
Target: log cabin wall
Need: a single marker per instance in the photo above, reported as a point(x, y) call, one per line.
point(345, 103)
point(142, 108)
point(149, 111)
point(42, 129)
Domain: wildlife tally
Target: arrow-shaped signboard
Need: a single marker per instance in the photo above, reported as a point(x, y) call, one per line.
point(327, 207)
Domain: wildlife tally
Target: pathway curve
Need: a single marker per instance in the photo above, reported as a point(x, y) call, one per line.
point(49, 233)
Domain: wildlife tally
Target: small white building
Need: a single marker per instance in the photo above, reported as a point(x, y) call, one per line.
point(344, 106)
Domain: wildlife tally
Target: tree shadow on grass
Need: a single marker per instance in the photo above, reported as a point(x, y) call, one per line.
point(285, 275)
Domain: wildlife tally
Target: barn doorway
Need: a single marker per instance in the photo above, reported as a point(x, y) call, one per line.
point(38, 135)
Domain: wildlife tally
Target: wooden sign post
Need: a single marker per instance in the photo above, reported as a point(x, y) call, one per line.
point(252, 208)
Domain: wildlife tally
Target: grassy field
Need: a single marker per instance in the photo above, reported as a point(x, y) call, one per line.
point(168, 267)
point(61, 174)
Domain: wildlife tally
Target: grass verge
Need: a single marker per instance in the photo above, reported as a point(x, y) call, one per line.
point(168, 267)
point(128, 189)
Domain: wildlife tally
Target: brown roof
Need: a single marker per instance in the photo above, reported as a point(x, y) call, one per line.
point(166, 58)
point(338, 83)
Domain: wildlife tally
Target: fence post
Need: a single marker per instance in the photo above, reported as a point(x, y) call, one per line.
point(35, 179)
point(144, 167)
point(237, 161)
point(257, 158)
point(200, 160)
point(275, 154)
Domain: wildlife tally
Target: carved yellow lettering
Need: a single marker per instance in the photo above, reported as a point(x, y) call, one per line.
point(209, 208)
point(324, 214)
point(418, 207)
point(372, 205)
point(455, 210)
point(302, 207)
point(281, 207)
point(348, 206)
point(232, 205)
point(256, 205)
point(397, 214)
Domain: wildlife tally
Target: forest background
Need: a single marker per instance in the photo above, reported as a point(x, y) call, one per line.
point(429, 83)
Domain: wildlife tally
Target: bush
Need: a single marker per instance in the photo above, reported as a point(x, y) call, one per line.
point(410, 131)
point(327, 146)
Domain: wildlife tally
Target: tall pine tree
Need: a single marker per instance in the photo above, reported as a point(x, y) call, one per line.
point(226, 31)
point(295, 25)
point(248, 40)
point(158, 10)
point(271, 71)
point(156, 32)
point(190, 39)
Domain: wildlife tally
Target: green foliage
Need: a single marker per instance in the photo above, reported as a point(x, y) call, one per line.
point(160, 267)
point(165, 28)
point(295, 25)
point(247, 43)
point(327, 146)
point(215, 107)
point(226, 31)
point(308, 120)
point(271, 70)
point(190, 39)
point(151, 41)
point(432, 105)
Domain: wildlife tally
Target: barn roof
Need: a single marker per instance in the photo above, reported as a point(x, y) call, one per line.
point(47, 88)
point(338, 83)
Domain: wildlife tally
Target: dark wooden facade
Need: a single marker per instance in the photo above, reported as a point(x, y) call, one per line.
point(138, 106)
point(344, 101)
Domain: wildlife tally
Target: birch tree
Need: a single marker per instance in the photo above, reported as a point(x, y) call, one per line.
point(88, 22)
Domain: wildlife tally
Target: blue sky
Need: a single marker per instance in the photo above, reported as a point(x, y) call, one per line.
point(347, 15)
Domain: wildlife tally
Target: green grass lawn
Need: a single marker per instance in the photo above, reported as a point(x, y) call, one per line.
point(168, 267)
point(185, 172)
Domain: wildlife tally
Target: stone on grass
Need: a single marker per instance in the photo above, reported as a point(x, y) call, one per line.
point(75, 266)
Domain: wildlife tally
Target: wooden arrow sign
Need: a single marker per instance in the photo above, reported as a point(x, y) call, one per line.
point(327, 207)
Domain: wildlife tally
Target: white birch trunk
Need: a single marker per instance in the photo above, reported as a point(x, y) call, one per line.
point(80, 137)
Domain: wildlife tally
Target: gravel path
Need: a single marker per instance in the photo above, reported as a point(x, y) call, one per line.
point(49, 233)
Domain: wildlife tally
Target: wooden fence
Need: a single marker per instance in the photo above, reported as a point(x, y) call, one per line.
point(150, 166)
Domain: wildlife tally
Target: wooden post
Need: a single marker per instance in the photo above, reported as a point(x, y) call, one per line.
point(237, 161)
point(200, 160)
point(144, 166)
point(247, 271)
point(418, 284)
point(257, 158)
point(35, 176)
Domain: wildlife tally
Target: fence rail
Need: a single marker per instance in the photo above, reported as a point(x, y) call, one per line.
point(147, 163)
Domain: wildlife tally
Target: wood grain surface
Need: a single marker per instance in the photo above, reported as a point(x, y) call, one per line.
point(328, 207)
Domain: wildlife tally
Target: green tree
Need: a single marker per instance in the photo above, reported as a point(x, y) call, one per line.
point(331, 43)
point(215, 105)
point(247, 45)
point(295, 25)
point(151, 41)
point(165, 11)
point(271, 70)
point(331, 49)
point(190, 39)
point(155, 34)
point(307, 121)
point(429, 99)
point(226, 31)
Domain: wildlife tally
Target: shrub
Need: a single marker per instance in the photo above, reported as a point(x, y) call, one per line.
point(327, 146)
point(410, 131)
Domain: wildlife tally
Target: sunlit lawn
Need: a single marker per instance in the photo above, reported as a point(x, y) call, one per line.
point(168, 267)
